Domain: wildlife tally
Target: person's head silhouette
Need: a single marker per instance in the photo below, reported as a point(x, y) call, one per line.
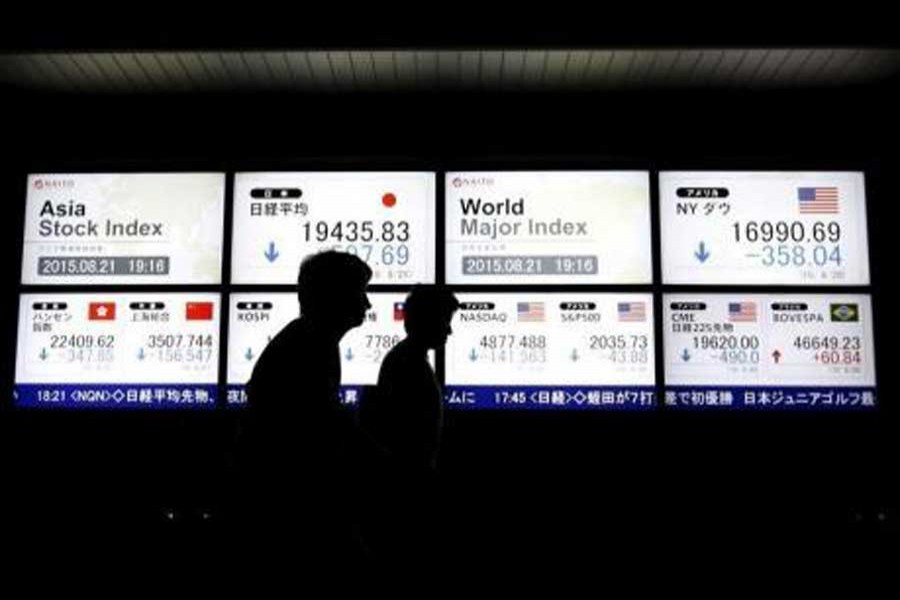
point(331, 288)
point(428, 311)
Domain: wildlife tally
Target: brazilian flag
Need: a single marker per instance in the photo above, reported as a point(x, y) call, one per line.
point(845, 313)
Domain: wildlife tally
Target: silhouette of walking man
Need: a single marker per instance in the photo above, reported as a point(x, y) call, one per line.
point(305, 454)
point(405, 416)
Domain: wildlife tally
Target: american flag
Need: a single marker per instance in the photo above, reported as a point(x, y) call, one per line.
point(530, 311)
point(742, 312)
point(632, 311)
point(818, 200)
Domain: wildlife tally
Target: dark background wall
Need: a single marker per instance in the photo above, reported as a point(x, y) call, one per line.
point(514, 483)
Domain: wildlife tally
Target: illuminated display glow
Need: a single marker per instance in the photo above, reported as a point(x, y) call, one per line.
point(552, 350)
point(769, 351)
point(517, 349)
point(254, 318)
point(118, 350)
point(385, 218)
point(135, 228)
point(573, 227)
point(764, 228)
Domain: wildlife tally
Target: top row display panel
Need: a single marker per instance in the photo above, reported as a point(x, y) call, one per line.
point(387, 219)
point(134, 228)
point(568, 227)
point(506, 228)
point(774, 228)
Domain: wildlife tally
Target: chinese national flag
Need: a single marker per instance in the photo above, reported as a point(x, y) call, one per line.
point(199, 311)
point(102, 311)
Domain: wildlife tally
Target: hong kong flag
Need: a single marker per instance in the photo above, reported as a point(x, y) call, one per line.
point(102, 311)
point(199, 311)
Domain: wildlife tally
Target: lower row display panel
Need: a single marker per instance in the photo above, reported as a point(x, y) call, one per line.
point(509, 350)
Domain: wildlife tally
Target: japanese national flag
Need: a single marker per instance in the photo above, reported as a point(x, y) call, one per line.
point(199, 311)
point(102, 311)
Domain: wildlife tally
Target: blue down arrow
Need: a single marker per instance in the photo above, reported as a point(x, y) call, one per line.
point(702, 254)
point(271, 254)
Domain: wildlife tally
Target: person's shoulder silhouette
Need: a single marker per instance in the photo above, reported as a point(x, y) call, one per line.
point(405, 414)
point(299, 370)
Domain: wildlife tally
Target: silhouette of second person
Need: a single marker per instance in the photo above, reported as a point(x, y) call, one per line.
point(405, 415)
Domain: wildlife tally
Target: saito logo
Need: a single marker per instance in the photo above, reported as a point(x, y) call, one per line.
point(42, 183)
point(460, 181)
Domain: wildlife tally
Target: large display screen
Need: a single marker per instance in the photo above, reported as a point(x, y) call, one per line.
point(764, 228)
point(386, 218)
point(254, 318)
point(117, 350)
point(569, 324)
point(769, 351)
point(552, 351)
point(571, 227)
point(135, 228)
